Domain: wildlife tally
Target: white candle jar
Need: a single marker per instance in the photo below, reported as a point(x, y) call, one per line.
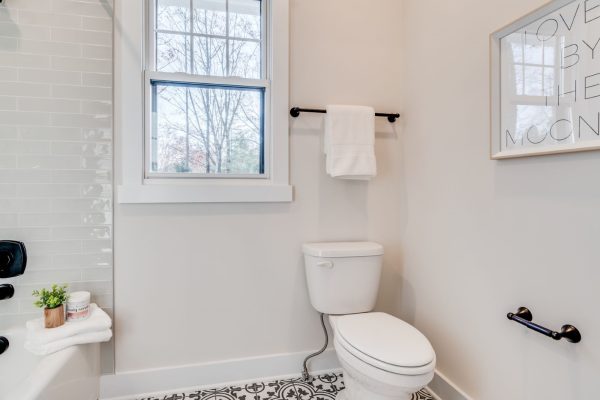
point(78, 306)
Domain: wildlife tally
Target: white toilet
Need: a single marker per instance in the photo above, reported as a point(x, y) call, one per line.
point(383, 357)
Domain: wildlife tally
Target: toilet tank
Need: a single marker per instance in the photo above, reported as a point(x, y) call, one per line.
point(343, 277)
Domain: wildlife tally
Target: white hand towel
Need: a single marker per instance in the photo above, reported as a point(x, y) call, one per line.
point(98, 321)
point(84, 338)
point(350, 142)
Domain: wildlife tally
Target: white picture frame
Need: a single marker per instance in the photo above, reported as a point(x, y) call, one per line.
point(545, 81)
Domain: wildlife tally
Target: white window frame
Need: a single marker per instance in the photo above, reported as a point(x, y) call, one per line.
point(133, 113)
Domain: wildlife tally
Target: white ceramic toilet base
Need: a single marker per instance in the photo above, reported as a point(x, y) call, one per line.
point(356, 390)
point(365, 382)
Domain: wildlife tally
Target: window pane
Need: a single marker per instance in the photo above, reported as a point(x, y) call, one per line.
point(222, 39)
point(207, 130)
point(244, 59)
point(517, 52)
point(549, 83)
point(533, 81)
point(549, 52)
point(533, 54)
point(172, 52)
point(173, 15)
point(519, 83)
point(245, 19)
point(209, 56)
point(210, 17)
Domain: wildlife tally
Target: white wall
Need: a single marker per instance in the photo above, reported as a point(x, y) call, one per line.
point(480, 237)
point(209, 282)
point(56, 148)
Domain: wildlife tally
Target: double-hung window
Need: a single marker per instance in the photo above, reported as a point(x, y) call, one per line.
point(207, 82)
point(214, 116)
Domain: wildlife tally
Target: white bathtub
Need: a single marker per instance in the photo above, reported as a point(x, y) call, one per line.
point(70, 374)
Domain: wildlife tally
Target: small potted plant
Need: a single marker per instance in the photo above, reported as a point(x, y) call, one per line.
point(52, 301)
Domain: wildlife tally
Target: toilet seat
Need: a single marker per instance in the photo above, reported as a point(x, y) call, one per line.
point(385, 342)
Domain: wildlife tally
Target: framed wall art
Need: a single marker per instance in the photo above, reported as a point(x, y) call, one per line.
point(545, 81)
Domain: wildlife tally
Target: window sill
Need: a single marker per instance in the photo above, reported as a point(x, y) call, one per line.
point(203, 193)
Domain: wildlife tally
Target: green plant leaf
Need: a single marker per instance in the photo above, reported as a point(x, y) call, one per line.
point(51, 298)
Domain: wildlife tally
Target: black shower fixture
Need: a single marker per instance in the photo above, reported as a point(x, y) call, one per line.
point(13, 258)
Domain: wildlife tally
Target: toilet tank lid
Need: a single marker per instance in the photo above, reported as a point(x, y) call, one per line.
point(343, 249)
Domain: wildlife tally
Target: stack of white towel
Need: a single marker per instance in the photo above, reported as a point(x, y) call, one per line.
point(95, 329)
point(350, 142)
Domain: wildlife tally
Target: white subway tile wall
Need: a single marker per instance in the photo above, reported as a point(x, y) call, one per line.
point(56, 148)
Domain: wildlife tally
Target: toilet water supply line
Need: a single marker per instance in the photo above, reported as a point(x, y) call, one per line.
point(305, 374)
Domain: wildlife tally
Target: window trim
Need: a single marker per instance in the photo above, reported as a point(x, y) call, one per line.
point(131, 35)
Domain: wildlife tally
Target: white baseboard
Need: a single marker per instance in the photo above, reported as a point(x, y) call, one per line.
point(442, 388)
point(144, 383)
point(156, 382)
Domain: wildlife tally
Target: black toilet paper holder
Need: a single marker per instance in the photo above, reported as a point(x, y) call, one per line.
point(524, 317)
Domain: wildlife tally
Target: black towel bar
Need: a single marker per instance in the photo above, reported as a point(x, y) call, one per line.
point(524, 317)
point(295, 112)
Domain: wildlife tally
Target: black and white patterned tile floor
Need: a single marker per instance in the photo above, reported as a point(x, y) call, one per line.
point(324, 387)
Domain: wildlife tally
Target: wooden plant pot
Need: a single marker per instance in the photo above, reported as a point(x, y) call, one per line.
point(54, 317)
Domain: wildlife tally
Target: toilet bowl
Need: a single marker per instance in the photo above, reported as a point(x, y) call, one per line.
point(382, 357)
